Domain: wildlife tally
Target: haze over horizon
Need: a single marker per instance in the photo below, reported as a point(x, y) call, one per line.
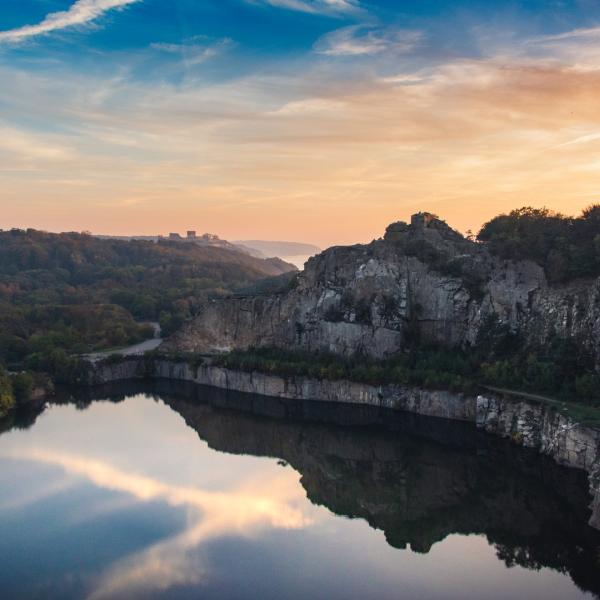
point(320, 121)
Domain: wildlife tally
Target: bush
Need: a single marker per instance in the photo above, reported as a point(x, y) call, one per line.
point(587, 388)
point(7, 397)
point(23, 384)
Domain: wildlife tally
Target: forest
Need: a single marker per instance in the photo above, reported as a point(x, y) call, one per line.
point(71, 293)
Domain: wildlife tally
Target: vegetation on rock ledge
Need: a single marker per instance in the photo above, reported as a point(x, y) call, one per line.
point(566, 247)
point(561, 369)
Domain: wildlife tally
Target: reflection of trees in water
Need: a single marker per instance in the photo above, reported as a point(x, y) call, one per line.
point(418, 480)
point(420, 488)
point(21, 419)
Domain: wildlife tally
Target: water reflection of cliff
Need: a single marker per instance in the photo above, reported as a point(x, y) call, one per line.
point(418, 480)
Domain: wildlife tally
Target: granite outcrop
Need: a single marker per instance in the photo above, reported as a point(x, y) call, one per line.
point(422, 281)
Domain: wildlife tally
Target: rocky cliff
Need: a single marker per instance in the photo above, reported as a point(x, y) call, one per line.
point(422, 281)
point(433, 403)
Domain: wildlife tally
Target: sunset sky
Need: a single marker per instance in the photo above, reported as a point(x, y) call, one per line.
point(309, 120)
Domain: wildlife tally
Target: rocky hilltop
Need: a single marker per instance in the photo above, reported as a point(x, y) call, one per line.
point(422, 281)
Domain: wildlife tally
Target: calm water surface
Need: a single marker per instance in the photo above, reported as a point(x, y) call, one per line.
point(175, 494)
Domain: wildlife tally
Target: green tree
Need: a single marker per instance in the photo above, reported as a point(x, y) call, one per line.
point(23, 384)
point(7, 397)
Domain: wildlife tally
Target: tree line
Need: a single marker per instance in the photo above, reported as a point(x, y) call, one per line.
point(566, 247)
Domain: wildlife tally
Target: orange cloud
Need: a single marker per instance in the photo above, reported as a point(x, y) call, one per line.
point(287, 156)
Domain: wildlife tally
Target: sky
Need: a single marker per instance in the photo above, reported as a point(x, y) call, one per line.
point(311, 120)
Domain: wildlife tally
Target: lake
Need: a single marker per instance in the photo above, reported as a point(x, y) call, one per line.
point(177, 491)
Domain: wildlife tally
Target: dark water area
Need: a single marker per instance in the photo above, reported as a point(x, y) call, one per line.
point(176, 491)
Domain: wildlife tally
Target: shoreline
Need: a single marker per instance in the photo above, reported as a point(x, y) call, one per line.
point(525, 421)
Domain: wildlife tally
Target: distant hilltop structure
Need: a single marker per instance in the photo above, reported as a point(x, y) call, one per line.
point(191, 236)
point(293, 252)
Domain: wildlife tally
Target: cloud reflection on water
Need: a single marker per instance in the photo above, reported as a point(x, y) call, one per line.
point(268, 502)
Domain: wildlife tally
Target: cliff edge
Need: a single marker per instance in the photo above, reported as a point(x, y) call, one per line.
point(422, 282)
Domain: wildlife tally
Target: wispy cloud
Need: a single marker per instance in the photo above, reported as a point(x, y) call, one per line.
point(314, 6)
point(583, 139)
point(590, 32)
point(364, 40)
point(28, 148)
point(192, 52)
point(80, 13)
point(578, 48)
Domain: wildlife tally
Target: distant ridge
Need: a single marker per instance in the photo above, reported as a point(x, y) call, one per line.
point(280, 249)
point(206, 239)
point(255, 248)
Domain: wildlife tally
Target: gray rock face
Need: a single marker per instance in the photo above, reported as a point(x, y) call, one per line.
point(434, 403)
point(595, 491)
point(544, 429)
point(422, 279)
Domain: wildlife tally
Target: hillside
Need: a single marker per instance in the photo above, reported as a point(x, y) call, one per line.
point(111, 283)
point(205, 240)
